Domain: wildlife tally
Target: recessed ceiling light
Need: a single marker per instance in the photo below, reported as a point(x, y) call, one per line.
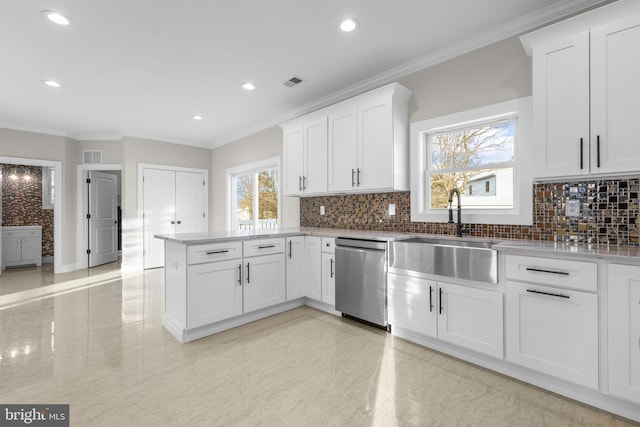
point(348, 25)
point(248, 86)
point(56, 17)
point(52, 83)
point(196, 117)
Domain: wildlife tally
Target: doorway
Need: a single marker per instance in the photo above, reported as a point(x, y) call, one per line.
point(99, 214)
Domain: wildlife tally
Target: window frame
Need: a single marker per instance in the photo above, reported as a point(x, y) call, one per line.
point(246, 169)
point(522, 211)
point(48, 188)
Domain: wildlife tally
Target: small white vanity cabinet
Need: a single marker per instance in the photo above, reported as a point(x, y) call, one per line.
point(328, 271)
point(552, 317)
point(21, 246)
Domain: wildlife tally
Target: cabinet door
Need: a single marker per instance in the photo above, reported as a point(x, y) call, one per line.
point(561, 107)
point(553, 331)
point(293, 160)
point(328, 279)
point(31, 249)
point(295, 267)
point(190, 202)
point(214, 292)
point(313, 270)
point(624, 331)
point(471, 318)
point(314, 179)
point(11, 251)
point(615, 90)
point(264, 281)
point(343, 149)
point(375, 144)
point(412, 304)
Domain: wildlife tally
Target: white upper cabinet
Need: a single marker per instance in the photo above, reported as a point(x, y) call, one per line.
point(365, 146)
point(584, 88)
point(305, 157)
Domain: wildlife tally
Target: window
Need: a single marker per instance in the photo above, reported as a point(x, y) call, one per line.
point(480, 152)
point(48, 187)
point(255, 196)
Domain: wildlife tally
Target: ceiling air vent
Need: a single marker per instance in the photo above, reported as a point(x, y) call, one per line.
point(92, 156)
point(293, 81)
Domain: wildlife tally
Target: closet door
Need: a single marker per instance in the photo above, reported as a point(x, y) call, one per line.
point(159, 200)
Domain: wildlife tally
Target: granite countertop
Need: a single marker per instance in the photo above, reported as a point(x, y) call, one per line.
point(627, 254)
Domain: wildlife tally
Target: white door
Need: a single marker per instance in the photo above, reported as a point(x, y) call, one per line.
point(342, 150)
point(328, 279)
point(313, 267)
point(293, 160)
point(189, 203)
point(264, 283)
point(295, 267)
point(159, 198)
point(315, 156)
point(615, 89)
point(471, 318)
point(103, 218)
point(561, 107)
point(375, 147)
point(412, 304)
point(624, 331)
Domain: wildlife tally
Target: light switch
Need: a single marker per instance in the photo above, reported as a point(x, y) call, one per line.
point(572, 208)
point(392, 209)
point(321, 210)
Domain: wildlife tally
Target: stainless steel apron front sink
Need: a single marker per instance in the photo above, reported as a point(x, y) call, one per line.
point(461, 259)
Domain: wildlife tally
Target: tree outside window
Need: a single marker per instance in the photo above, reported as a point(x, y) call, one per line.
point(256, 201)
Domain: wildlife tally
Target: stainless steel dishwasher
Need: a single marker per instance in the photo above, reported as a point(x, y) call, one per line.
point(361, 279)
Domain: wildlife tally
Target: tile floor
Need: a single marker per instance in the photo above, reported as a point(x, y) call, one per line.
point(95, 341)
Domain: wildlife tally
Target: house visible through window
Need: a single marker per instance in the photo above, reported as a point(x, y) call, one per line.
point(255, 196)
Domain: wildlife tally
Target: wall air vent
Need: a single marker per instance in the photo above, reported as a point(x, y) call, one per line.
point(92, 156)
point(293, 81)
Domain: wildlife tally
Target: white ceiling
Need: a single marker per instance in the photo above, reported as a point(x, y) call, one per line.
point(144, 67)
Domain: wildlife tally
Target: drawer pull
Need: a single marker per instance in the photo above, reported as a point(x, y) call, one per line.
point(240, 274)
point(440, 302)
point(223, 251)
point(266, 246)
point(533, 291)
point(540, 270)
point(430, 299)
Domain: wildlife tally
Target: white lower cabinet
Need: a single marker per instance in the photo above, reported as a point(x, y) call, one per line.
point(554, 331)
point(624, 331)
point(466, 316)
point(264, 283)
point(313, 267)
point(214, 292)
point(295, 267)
point(328, 279)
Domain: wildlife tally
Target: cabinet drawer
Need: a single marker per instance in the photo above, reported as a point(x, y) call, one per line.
point(580, 275)
point(329, 244)
point(263, 246)
point(198, 254)
point(11, 234)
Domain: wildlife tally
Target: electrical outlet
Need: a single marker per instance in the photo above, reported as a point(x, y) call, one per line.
point(321, 210)
point(392, 209)
point(572, 208)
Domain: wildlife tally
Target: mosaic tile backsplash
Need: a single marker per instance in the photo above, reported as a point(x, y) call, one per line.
point(22, 204)
point(609, 214)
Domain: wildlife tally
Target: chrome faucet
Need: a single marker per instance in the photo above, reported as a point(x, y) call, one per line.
point(459, 229)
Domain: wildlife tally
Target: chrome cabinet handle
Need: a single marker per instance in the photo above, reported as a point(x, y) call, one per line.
point(540, 270)
point(299, 183)
point(358, 180)
point(533, 291)
point(266, 246)
point(331, 270)
point(248, 281)
point(290, 249)
point(240, 274)
point(304, 182)
point(353, 177)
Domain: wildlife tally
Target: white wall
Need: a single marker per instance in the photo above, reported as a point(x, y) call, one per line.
point(259, 146)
